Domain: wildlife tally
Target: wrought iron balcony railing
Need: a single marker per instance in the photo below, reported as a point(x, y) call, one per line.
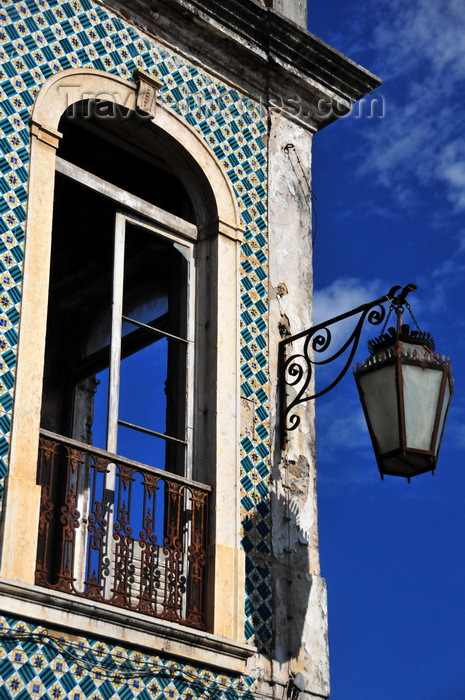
point(119, 532)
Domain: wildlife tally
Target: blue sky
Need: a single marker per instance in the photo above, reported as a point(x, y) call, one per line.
point(390, 202)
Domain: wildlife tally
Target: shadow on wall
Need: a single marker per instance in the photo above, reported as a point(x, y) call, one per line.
point(278, 582)
point(291, 549)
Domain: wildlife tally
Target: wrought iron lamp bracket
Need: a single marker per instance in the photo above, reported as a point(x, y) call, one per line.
point(296, 367)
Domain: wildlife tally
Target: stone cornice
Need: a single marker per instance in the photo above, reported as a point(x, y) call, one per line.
point(269, 33)
point(259, 49)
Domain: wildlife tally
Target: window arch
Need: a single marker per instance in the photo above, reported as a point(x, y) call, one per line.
point(215, 448)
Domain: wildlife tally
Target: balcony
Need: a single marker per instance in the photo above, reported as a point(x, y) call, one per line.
point(122, 533)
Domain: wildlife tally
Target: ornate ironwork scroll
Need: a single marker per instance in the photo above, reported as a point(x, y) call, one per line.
point(197, 559)
point(120, 532)
point(296, 366)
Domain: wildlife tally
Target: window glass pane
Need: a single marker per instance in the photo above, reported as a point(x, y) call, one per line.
point(80, 293)
point(152, 382)
point(99, 425)
point(421, 396)
point(141, 447)
point(153, 363)
point(142, 399)
point(151, 311)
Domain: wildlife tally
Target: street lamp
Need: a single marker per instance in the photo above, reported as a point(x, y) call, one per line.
point(405, 390)
point(404, 386)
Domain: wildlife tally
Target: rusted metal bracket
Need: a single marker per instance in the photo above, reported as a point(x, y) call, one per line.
point(296, 370)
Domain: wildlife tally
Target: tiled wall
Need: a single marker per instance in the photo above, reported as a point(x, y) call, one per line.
point(34, 664)
point(41, 37)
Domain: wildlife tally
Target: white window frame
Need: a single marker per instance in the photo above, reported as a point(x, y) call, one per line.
point(186, 248)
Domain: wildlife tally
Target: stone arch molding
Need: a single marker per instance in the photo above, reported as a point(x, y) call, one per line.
point(74, 84)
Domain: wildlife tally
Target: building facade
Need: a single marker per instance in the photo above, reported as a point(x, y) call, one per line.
point(158, 537)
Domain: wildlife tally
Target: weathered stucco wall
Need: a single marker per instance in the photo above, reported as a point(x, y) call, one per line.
point(299, 591)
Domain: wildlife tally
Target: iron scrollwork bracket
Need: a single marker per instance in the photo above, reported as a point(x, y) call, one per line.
point(296, 369)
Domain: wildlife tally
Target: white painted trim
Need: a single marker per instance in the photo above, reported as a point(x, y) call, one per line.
point(116, 325)
point(126, 199)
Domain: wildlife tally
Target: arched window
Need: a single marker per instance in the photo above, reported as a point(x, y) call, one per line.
point(118, 376)
point(131, 262)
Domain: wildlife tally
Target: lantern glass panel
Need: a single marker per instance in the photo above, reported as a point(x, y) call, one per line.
point(380, 400)
point(442, 420)
point(421, 395)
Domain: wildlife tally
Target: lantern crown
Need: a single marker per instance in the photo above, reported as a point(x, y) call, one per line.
point(404, 335)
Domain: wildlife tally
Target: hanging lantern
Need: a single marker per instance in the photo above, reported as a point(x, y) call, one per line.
point(405, 390)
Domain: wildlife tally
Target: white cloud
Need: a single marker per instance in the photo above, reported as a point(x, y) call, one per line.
point(343, 424)
point(461, 241)
point(344, 294)
point(417, 30)
point(444, 287)
point(419, 46)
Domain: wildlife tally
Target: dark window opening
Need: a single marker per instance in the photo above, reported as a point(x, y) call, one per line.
point(114, 147)
point(119, 521)
point(149, 287)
